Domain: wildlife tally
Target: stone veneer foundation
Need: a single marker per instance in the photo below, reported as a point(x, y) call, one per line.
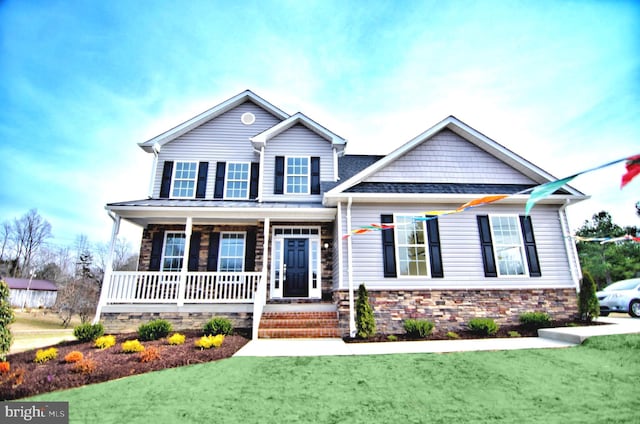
point(451, 310)
point(119, 319)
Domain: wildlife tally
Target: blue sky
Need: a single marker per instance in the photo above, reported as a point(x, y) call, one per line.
point(81, 82)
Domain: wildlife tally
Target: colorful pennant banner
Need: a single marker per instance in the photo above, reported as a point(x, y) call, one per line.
point(632, 165)
point(603, 240)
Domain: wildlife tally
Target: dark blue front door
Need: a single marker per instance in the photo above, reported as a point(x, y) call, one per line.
point(296, 261)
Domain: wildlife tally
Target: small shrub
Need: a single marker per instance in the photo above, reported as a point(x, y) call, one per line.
point(484, 326)
point(44, 355)
point(149, 354)
point(588, 306)
point(514, 334)
point(392, 338)
point(74, 356)
point(132, 346)
point(207, 342)
point(88, 332)
point(176, 339)
point(85, 366)
point(105, 342)
point(154, 330)
point(365, 322)
point(452, 335)
point(418, 328)
point(6, 317)
point(218, 325)
point(5, 367)
point(535, 320)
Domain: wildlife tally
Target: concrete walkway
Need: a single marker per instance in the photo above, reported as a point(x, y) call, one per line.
point(549, 338)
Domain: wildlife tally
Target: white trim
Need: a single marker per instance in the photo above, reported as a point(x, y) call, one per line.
point(286, 176)
point(215, 111)
point(278, 239)
point(226, 180)
point(463, 130)
point(523, 255)
point(173, 179)
point(298, 118)
point(244, 249)
point(164, 247)
point(425, 246)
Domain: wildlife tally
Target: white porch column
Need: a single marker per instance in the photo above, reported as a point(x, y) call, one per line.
point(185, 260)
point(352, 316)
point(108, 268)
point(265, 247)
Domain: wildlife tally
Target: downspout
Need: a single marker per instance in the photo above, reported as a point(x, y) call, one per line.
point(570, 246)
point(108, 268)
point(352, 318)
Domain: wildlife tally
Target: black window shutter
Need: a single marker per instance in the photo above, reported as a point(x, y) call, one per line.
point(194, 251)
point(315, 175)
point(165, 185)
point(218, 193)
point(201, 188)
point(388, 248)
point(435, 254)
point(250, 250)
point(255, 179)
point(486, 245)
point(278, 187)
point(212, 255)
point(530, 246)
point(156, 251)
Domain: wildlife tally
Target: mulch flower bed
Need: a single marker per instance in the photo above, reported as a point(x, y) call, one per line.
point(27, 378)
point(504, 331)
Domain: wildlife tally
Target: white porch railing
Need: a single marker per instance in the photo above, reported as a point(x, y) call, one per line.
point(166, 287)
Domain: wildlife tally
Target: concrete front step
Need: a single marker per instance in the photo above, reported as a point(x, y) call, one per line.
point(299, 324)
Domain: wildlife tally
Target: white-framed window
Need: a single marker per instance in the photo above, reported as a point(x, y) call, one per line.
point(185, 175)
point(173, 252)
point(297, 175)
point(412, 258)
point(237, 180)
point(231, 253)
point(507, 244)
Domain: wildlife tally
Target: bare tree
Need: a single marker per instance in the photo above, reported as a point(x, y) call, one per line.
point(29, 232)
point(5, 236)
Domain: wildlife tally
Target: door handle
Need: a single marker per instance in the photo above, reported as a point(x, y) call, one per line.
point(284, 272)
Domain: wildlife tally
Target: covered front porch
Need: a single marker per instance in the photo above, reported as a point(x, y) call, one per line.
point(195, 265)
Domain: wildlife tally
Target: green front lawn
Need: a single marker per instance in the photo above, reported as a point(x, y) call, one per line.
point(594, 383)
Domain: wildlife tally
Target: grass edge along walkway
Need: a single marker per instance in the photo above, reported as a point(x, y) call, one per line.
point(594, 382)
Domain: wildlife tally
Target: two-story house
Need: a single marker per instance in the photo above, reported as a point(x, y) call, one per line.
point(252, 216)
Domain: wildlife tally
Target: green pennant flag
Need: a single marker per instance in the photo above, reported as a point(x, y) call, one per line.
point(544, 190)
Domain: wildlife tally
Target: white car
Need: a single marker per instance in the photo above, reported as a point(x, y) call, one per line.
point(623, 296)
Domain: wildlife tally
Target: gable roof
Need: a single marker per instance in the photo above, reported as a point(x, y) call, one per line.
point(23, 283)
point(463, 130)
point(172, 134)
point(299, 118)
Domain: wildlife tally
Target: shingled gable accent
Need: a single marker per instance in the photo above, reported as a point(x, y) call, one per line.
point(299, 118)
point(463, 130)
point(215, 111)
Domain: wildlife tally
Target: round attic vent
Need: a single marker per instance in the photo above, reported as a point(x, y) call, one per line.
point(248, 118)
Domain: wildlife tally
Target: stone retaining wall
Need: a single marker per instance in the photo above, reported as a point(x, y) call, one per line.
point(451, 310)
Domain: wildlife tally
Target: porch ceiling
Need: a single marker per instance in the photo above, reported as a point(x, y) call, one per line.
point(168, 211)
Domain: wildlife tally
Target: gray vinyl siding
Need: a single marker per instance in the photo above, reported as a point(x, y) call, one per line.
point(449, 158)
point(460, 245)
point(296, 141)
point(223, 138)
